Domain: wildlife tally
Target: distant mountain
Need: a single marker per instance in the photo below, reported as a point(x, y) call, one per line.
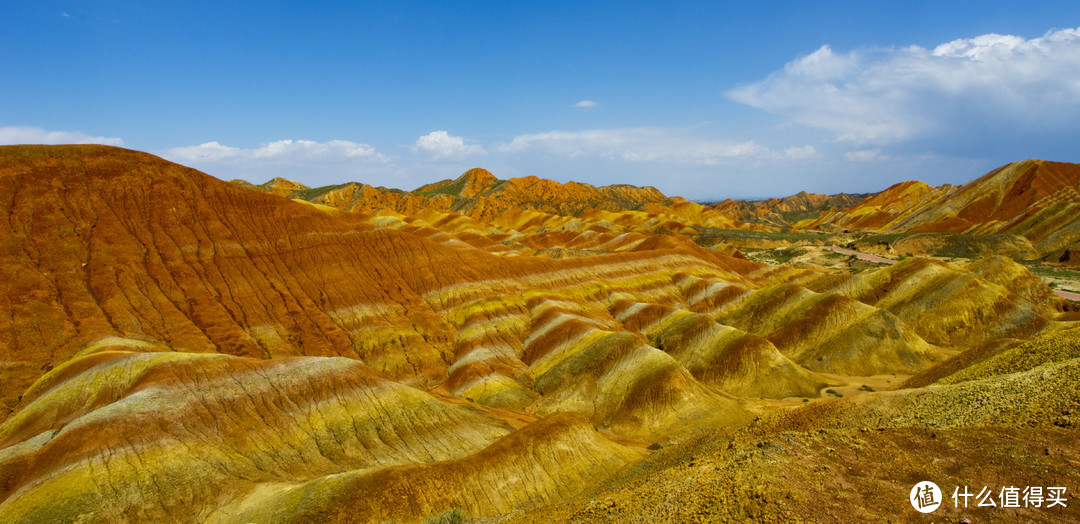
point(521, 204)
point(1035, 199)
point(276, 186)
point(882, 210)
point(783, 212)
point(475, 193)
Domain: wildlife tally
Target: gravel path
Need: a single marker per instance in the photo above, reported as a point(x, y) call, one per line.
point(1075, 297)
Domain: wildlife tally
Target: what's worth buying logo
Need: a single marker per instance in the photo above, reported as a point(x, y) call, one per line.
point(925, 496)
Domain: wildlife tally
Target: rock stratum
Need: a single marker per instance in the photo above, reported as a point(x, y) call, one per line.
point(1036, 200)
point(179, 348)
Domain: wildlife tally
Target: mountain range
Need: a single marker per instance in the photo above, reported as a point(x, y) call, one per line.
point(179, 348)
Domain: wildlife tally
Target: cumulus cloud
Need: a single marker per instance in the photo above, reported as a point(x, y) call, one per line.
point(440, 144)
point(644, 144)
point(36, 135)
point(586, 104)
point(888, 96)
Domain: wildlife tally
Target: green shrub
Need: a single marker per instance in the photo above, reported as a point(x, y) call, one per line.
point(450, 516)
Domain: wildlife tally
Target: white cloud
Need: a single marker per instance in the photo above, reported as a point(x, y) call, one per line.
point(207, 152)
point(307, 161)
point(36, 135)
point(885, 96)
point(586, 104)
point(645, 144)
point(279, 151)
point(864, 155)
point(802, 153)
point(440, 144)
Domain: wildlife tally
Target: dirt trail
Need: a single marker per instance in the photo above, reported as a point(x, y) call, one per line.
point(1075, 297)
point(860, 255)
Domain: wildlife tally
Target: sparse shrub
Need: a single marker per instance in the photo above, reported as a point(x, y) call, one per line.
point(806, 400)
point(866, 388)
point(834, 393)
point(784, 255)
point(450, 516)
point(655, 446)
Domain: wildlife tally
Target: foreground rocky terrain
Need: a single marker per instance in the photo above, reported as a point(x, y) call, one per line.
point(179, 348)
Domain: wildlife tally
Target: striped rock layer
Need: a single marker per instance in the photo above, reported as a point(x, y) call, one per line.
point(177, 348)
point(1034, 199)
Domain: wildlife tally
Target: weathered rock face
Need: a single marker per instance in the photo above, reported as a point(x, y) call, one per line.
point(103, 243)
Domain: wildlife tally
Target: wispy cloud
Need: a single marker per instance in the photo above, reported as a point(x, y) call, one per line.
point(36, 135)
point(281, 150)
point(333, 161)
point(644, 144)
point(586, 104)
point(801, 153)
point(894, 95)
point(440, 145)
point(864, 155)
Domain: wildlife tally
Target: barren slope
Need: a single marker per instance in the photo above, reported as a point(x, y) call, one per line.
point(1034, 199)
point(178, 348)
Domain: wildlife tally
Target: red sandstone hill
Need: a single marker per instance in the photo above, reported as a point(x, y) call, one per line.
point(480, 195)
point(150, 305)
point(176, 348)
point(1036, 199)
point(104, 242)
point(785, 211)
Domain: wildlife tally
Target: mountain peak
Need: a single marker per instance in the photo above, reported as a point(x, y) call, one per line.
point(475, 181)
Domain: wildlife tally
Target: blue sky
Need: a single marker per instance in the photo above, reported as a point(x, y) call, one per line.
point(701, 99)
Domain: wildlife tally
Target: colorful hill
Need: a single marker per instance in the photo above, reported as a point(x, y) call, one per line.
point(475, 193)
point(783, 212)
point(178, 348)
point(518, 205)
point(1034, 199)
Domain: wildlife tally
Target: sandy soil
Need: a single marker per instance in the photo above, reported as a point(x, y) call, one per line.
point(861, 256)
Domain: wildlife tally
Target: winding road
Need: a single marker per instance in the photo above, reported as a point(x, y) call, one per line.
point(1075, 297)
